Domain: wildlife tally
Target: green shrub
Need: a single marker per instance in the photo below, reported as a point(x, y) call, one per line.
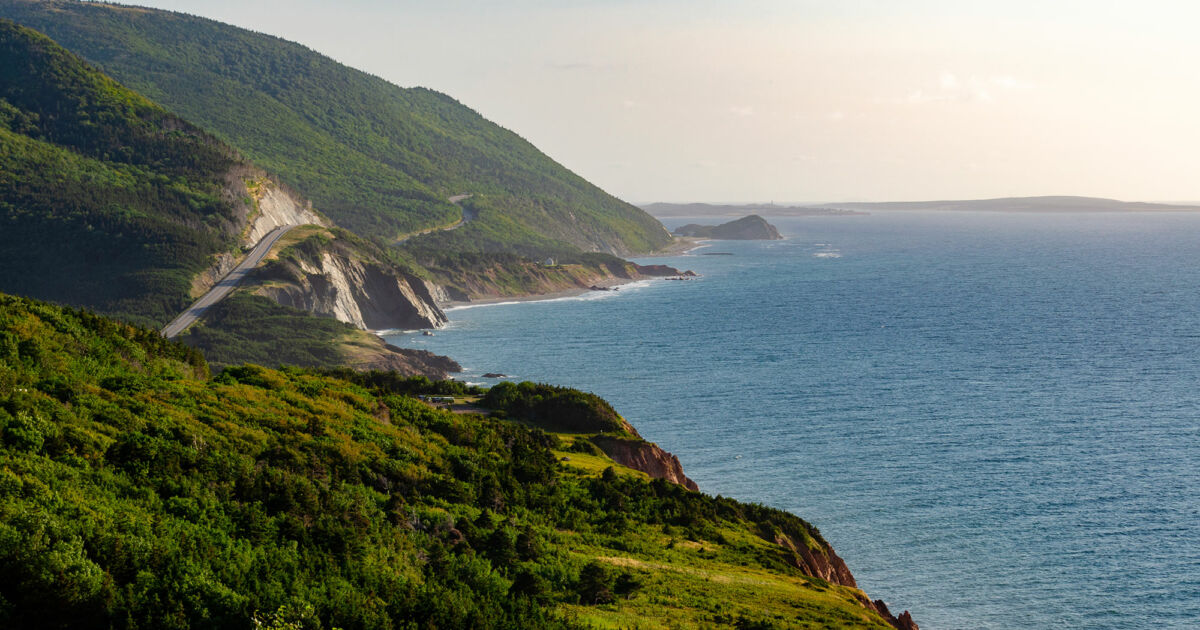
point(555, 408)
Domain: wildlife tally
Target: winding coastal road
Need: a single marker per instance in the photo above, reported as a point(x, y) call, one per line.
point(467, 215)
point(233, 278)
point(226, 284)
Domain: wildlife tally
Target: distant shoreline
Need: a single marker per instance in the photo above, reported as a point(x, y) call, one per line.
point(1051, 204)
point(682, 245)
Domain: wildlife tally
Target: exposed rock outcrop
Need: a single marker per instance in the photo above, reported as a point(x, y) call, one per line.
point(364, 293)
point(263, 205)
point(808, 552)
point(817, 558)
point(748, 228)
point(902, 622)
point(437, 292)
point(275, 207)
point(646, 457)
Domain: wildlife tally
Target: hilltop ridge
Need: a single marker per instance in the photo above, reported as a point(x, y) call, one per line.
point(748, 228)
point(109, 201)
point(378, 159)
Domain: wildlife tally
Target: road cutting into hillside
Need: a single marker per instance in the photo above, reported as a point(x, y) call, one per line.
point(252, 260)
point(227, 284)
point(467, 216)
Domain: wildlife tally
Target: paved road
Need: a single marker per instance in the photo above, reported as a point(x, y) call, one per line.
point(222, 288)
point(231, 280)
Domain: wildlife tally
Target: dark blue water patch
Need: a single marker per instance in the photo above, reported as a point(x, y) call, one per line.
point(993, 418)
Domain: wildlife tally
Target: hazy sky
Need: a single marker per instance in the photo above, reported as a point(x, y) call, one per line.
point(694, 100)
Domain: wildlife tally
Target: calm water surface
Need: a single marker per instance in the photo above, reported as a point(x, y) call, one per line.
point(994, 418)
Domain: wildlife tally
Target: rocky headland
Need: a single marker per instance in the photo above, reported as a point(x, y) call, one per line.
point(645, 456)
point(748, 228)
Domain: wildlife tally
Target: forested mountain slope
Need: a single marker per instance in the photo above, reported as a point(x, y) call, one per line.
point(106, 199)
point(138, 491)
point(379, 159)
point(109, 201)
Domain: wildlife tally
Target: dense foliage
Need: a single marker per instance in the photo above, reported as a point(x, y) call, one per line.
point(555, 408)
point(106, 199)
point(379, 159)
point(138, 492)
point(393, 383)
point(246, 328)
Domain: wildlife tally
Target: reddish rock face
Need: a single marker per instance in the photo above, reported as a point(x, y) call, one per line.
point(646, 457)
point(822, 562)
point(903, 622)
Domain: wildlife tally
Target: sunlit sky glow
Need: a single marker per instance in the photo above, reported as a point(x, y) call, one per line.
point(693, 100)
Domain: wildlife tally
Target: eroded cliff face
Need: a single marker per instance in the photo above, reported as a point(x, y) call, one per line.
point(275, 207)
point(363, 293)
point(646, 457)
point(343, 280)
point(809, 553)
point(817, 558)
point(263, 205)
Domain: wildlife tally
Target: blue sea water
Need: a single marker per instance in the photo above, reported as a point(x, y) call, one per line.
point(994, 418)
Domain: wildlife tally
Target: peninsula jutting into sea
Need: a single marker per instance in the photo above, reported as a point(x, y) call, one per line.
point(286, 345)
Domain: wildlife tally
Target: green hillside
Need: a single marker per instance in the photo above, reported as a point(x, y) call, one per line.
point(106, 199)
point(138, 491)
point(110, 202)
point(379, 159)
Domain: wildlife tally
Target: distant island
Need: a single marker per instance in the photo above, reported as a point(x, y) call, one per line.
point(663, 210)
point(748, 228)
point(1019, 204)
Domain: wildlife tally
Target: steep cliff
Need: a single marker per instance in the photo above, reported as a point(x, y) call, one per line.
point(802, 547)
point(808, 551)
point(332, 274)
point(264, 204)
point(646, 457)
point(377, 158)
point(275, 206)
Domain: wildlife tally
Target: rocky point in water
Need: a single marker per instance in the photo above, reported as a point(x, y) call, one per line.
point(747, 228)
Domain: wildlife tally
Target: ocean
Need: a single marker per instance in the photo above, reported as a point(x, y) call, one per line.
point(994, 418)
